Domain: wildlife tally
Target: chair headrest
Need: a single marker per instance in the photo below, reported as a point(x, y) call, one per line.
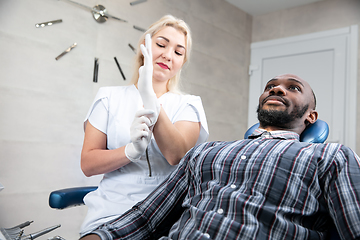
point(317, 132)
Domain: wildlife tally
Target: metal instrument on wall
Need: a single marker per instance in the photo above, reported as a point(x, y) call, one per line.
point(96, 70)
point(49, 23)
point(66, 51)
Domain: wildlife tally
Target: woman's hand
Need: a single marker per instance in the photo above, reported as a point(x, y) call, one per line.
point(145, 81)
point(96, 158)
point(140, 135)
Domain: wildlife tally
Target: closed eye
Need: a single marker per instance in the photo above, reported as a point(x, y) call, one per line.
point(160, 45)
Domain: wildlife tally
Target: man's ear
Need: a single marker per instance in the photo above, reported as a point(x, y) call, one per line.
point(312, 117)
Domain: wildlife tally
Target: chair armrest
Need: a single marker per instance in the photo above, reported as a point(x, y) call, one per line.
point(69, 197)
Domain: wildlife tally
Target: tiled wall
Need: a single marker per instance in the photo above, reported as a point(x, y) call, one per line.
point(43, 101)
point(315, 17)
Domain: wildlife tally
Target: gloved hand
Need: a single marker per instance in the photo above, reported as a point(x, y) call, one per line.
point(145, 86)
point(140, 134)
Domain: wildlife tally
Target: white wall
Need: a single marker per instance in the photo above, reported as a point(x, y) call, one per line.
point(43, 101)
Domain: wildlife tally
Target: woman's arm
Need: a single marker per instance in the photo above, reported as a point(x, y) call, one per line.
point(174, 140)
point(95, 157)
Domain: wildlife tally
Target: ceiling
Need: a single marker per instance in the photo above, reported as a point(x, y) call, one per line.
point(259, 7)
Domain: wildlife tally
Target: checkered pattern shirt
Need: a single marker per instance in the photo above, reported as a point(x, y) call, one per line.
point(270, 186)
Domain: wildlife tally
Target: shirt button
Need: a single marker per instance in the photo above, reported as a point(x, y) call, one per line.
point(233, 186)
point(220, 211)
point(243, 157)
point(206, 235)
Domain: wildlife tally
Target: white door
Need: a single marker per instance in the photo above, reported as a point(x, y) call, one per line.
point(323, 59)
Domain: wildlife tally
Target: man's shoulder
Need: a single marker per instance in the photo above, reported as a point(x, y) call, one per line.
point(203, 148)
point(215, 144)
point(334, 150)
point(340, 147)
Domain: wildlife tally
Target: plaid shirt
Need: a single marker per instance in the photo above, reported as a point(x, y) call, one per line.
point(268, 187)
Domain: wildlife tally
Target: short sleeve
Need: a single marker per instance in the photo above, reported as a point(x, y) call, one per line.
point(99, 117)
point(98, 112)
point(193, 111)
point(189, 114)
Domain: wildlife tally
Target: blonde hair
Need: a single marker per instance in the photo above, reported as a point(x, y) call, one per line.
point(165, 21)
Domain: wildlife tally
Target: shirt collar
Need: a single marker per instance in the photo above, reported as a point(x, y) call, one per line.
point(286, 135)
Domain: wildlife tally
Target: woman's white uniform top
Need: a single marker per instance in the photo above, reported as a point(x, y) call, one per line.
point(112, 112)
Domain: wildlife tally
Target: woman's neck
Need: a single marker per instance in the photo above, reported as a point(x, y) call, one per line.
point(160, 88)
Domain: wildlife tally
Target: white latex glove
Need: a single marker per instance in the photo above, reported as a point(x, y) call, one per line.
point(145, 86)
point(140, 135)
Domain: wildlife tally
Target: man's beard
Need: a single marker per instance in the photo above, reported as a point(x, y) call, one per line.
point(278, 118)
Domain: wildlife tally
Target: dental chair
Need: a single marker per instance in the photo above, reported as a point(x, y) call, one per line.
point(70, 197)
point(317, 132)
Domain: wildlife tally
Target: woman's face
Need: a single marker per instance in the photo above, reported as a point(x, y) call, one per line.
point(168, 50)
